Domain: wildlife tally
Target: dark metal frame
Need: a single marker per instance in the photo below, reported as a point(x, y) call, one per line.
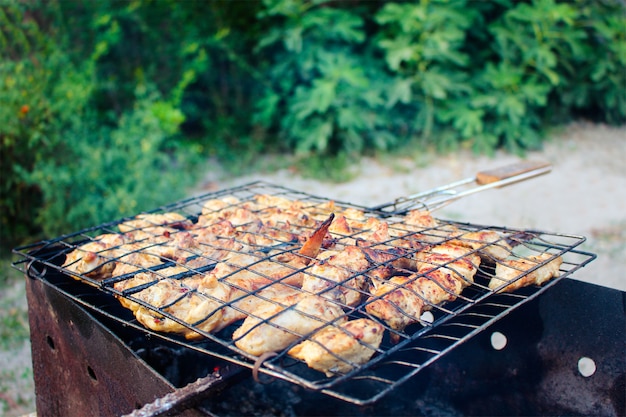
point(419, 347)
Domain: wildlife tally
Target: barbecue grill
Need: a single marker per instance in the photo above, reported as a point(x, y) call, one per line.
point(110, 362)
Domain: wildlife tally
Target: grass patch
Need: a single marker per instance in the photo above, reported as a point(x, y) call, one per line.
point(17, 389)
point(14, 328)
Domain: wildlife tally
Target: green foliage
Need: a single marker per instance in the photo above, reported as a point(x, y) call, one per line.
point(320, 96)
point(103, 103)
point(422, 45)
point(122, 171)
point(41, 94)
point(597, 87)
point(64, 164)
point(534, 45)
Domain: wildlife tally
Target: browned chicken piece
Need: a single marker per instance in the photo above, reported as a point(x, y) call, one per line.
point(443, 272)
point(508, 271)
point(337, 350)
point(274, 326)
point(421, 218)
point(376, 231)
point(321, 210)
point(143, 279)
point(437, 286)
point(219, 204)
point(95, 259)
point(419, 228)
point(155, 250)
point(244, 303)
point(373, 233)
point(243, 217)
point(387, 261)
point(352, 233)
point(280, 210)
point(156, 224)
point(252, 271)
point(459, 260)
point(209, 233)
point(266, 200)
point(235, 215)
point(175, 246)
point(397, 302)
point(447, 270)
point(340, 227)
point(354, 216)
point(489, 243)
point(267, 235)
point(203, 308)
point(132, 262)
point(336, 275)
point(294, 221)
point(228, 208)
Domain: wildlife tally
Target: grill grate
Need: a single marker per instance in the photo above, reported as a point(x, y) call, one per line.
point(229, 266)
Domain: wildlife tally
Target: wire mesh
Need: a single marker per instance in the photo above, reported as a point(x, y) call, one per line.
point(331, 296)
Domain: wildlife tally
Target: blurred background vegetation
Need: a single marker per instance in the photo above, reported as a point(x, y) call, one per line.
point(108, 108)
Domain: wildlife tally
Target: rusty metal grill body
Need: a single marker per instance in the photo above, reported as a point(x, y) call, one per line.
point(401, 354)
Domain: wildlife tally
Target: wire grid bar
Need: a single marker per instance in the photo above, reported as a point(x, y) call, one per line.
point(183, 269)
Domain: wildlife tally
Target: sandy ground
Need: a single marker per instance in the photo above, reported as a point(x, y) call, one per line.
point(583, 195)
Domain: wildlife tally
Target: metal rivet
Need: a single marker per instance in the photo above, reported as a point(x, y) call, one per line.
point(498, 340)
point(586, 366)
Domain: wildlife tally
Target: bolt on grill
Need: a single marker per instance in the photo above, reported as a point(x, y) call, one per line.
point(331, 296)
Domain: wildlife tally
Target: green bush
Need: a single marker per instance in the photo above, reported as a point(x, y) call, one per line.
point(103, 102)
point(64, 167)
point(102, 173)
point(41, 94)
point(319, 96)
point(353, 78)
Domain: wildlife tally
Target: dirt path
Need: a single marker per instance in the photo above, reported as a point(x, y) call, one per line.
point(585, 194)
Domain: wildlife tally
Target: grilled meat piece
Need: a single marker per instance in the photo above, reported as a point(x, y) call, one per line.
point(95, 259)
point(188, 300)
point(457, 260)
point(336, 275)
point(156, 224)
point(252, 271)
point(509, 271)
point(443, 271)
point(489, 244)
point(274, 327)
point(398, 302)
point(338, 349)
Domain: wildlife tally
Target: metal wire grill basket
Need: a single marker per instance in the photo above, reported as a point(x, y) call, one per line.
point(149, 271)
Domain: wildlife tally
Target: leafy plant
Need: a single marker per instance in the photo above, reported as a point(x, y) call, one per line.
point(41, 93)
point(597, 87)
point(89, 89)
point(104, 173)
point(534, 46)
point(320, 97)
point(422, 44)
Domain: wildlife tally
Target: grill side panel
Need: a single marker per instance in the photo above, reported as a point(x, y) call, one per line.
point(80, 368)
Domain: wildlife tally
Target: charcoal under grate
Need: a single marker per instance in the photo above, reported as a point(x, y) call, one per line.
point(217, 272)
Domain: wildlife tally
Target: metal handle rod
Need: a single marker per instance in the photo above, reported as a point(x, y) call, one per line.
point(439, 197)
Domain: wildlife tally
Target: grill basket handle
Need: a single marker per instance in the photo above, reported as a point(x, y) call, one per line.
point(439, 197)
